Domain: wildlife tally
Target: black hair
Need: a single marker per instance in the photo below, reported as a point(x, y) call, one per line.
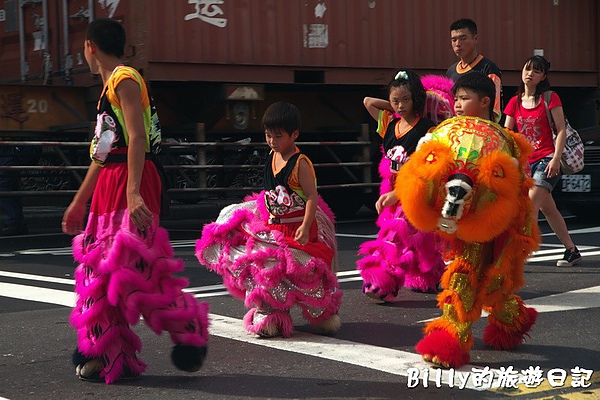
point(108, 34)
point(410, 79)
point(281, 116)
point(480, 84)
point(537, 63)
point(464, 23)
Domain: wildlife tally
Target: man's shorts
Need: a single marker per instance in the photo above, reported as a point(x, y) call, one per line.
point(539, 175)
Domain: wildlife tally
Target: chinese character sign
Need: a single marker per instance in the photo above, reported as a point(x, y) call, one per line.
point(208, 11)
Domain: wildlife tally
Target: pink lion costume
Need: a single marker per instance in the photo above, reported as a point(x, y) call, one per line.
point(439, 104)
point(402, 255)
point(469, 183)
point(127, 274)
point(124, 272)
point(269, 270)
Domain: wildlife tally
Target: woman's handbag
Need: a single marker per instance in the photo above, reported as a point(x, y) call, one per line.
point(571, 161)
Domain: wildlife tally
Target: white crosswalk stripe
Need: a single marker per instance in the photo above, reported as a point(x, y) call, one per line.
point(390, 361)
point(549, 252)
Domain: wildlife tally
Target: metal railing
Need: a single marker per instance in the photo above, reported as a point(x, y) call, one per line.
point(197, 169)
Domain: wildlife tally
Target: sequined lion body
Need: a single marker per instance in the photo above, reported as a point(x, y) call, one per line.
point(270, 271)
point(469, 183)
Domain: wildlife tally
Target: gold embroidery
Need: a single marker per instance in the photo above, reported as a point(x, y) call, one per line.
point(496, 283)
point(460, 284)
point(510, 310)
point(527, 228)
point(463, 329)
point(478, 255)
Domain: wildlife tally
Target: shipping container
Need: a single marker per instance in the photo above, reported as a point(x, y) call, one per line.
point(333, 41)
point(220, 63)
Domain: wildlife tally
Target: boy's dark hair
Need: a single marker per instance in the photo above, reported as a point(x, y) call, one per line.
point(413, 81)
point(281, 116)
point(537, 63)
point(478, 83)
point(464, 23)
point(108, 34)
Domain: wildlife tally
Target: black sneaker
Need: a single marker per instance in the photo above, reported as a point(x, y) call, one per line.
point(570, 258)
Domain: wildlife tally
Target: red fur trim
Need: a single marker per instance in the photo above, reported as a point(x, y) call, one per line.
point(442, 348)
point(444, 324)
point(501, 336)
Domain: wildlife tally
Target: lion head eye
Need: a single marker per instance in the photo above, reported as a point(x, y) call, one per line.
point(498, 171)
point(431, 158)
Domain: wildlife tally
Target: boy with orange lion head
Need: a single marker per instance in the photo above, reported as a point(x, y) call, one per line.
point(468, 181)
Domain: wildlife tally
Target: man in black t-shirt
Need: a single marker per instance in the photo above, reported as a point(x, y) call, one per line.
point(463, 34)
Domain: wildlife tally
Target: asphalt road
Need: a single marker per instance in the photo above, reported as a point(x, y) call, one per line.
point(371, 357)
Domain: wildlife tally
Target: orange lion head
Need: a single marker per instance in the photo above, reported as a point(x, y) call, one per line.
point(467, 180)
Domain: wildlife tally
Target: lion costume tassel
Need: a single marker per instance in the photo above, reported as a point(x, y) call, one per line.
point(468, 181)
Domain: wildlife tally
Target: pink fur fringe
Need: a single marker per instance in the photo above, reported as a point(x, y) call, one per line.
point(401, 255)
point(267, 274)
point(439, 104)
point(281, 319)
point(121, 276)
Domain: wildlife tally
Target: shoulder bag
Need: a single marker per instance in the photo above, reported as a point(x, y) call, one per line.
point(571, 161)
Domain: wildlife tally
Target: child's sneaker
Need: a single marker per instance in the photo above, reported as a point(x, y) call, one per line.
point(570, 258)
point(90, 370)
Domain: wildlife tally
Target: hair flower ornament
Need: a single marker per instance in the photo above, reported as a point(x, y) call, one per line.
point(401, 75)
